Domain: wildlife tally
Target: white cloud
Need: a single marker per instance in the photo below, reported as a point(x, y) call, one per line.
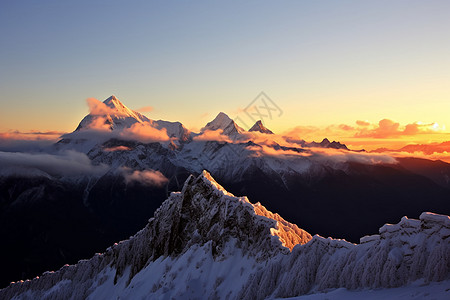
point(68, 163)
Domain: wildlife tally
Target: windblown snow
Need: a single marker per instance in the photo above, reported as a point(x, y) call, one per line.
point(205, 243)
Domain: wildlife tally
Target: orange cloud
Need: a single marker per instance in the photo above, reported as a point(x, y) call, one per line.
point(100, 129)
point(146, 177)
point(99, 123)
point(213, 135)
point(314, 133)
point(434, 151)
point(144, 132)
point(411, 129)
point(428, 149)
point(261, 150)
point(16, 141)
point(444, 156)
point(31, 135)
point(389, 129)
point(302, 131)
point(98, 108)
point(362, 123)
point(346, 127)
point(118, 148)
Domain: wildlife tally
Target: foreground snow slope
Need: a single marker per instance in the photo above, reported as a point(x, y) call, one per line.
point(415, 291)
point(402, 253)
point(206, 243)
point(204, 236)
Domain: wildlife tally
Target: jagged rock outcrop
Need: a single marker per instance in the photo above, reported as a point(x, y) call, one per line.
point(325, 143)
point(259, 127)
point(400, 254)
point(202, 216)
point(205, 243)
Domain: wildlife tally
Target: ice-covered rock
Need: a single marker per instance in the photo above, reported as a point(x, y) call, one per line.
point(200, 228)
point(403, 253)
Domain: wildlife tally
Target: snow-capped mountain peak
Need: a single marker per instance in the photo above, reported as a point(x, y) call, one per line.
point(260, 128)
point(111, 113)
point(113, 102)
point(119, 109)
point(223, 122)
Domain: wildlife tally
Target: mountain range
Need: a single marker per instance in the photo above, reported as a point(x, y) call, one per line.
point(118, 167)
point(428, 149)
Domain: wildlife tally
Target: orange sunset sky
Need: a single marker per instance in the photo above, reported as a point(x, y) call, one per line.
point(367, 74)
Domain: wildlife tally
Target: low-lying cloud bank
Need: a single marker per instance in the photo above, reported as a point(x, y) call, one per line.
point(144, 132)
point(72, 164)
point(285, 147)
point(384, 129)
point(323, 155)
point(100, 130)
point(213, 135)
point(67, 163)
point(17, 141)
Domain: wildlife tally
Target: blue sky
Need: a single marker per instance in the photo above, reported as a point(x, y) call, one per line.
point(323, 62)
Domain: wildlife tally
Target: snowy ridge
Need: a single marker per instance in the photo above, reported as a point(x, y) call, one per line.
point(202, 218)
point(204, 242)
point(401, 254)
point(174, 130)
point(220, 158)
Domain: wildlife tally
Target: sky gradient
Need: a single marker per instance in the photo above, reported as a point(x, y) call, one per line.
point(324, 63)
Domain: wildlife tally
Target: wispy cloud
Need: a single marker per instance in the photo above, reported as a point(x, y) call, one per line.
point(68, 163)
point(444, 155)
point(100, 130)
point(144, 132)
point(98, 108)
point(145, 177)
point(384, 129)
point(118, 148)
point(327, 156)
point(390, 129)
point(28, 141)
point(213, 135)
point(362, 123)
point(304, 132)
point(31, 135)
